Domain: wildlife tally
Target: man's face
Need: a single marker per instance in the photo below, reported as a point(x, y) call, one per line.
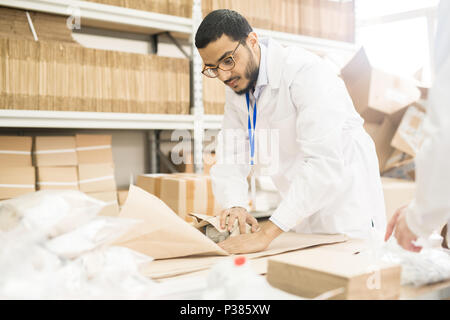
point(245, 72)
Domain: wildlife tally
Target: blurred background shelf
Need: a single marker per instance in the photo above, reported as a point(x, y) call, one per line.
point(107, 16)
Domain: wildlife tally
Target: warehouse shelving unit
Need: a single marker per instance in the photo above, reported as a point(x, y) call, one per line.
point(118, 18)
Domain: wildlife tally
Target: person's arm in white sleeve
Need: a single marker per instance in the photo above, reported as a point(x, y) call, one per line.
point(430, 209)
point(322, 103)
point(229, 174)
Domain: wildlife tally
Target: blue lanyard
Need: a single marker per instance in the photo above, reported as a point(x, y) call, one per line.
point(251, 131)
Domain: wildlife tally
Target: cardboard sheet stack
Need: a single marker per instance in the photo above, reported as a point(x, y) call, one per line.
point(183, 193)
point(56, 162)
point(213, 96)
point(17, 174)
point(96, 170)
point(180, 8)
point(328, 19)
point(64, 76)
point(391, 108)
point(14, 24)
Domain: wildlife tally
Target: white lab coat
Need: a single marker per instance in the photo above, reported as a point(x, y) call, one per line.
point(328, 174)
point(431, 208)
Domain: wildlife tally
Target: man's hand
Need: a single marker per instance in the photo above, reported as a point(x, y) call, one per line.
point(403, 234)
point(252, 242)
point(242, 215)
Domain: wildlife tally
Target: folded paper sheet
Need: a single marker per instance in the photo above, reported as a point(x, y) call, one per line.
point(286, 242)
point(162, 234)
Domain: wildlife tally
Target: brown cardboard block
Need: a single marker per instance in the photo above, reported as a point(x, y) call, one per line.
point(174, 195)
point(15, 151)
point(122, 197)
point(93, 148)
point(374, 92)
point(55, 151)
point(397, 193)
point(397, 159)
point(58, 178)
point(151, 183)
point(15, 181)
point(96, 177)
point(111, 208)
point(382, 134)
point(410, 135)
point(312, 272)
point(404, 170)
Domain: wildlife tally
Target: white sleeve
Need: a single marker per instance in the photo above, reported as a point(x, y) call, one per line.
point(229, 174)
point(430, 209)
point(322, 103)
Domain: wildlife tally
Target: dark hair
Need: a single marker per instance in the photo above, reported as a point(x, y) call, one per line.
point(219, 22)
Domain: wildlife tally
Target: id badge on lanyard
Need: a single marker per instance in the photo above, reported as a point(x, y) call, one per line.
point(251, 139)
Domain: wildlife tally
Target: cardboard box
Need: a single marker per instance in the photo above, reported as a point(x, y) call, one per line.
point(397, 193)
point(55, 151)
point(97, 177)
point(405, 170)
point(382, 134)
point(57, 178)
point(410, 134)
point(151, 183)
point(16, 181)
point(374, 92)
point(15, 151)
point(122, 197)
point(312, 272)
point(112, 205)
point(174, 194)
point(397, 159)
point(93, 148)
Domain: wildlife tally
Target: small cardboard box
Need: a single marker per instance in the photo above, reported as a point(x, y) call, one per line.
point(374, 92)
point(59, 178)
point(410, 134)
point(381, 134)
point(397, 193)
point(111, 209)
point(93, 148)
point(16, 181)
point(15, 151)
point(312, 272)
point(151, 183)
point(189, 193)
point(174, 194)
point(55, 151)
point(97, 177)
point(122, 197)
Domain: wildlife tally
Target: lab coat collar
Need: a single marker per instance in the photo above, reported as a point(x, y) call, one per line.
point(273, 61)
point(262, 75)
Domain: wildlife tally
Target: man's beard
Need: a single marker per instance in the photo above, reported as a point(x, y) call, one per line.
point(251, 73)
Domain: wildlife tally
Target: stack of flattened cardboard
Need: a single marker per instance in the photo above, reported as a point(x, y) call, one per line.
point(183, 193)
point(17, 175)
point(180, 8)
point(328, 19)
point(64, 76)
point(96, 170)
point(213, 96)
point(14, 24)
point(56, 162)
point(385, 101)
